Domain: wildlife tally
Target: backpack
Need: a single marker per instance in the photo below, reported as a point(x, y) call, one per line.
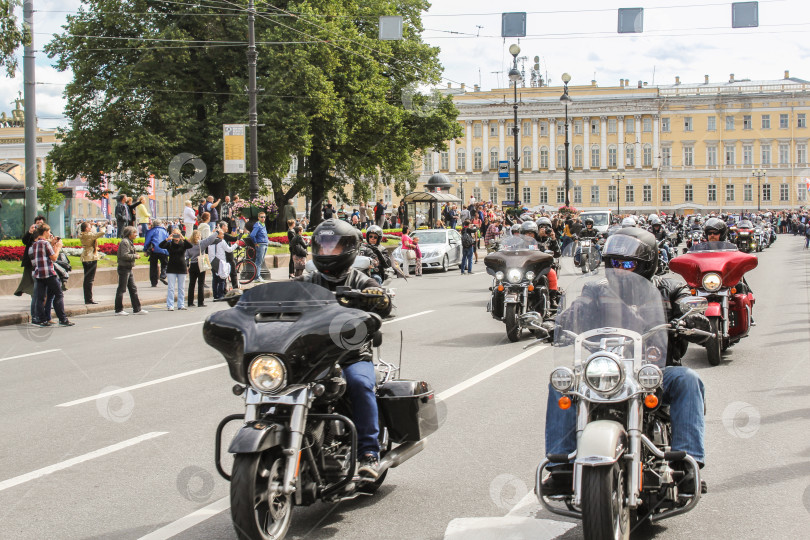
point(466, 240)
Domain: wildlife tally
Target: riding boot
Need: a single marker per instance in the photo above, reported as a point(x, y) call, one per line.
point(554, 297)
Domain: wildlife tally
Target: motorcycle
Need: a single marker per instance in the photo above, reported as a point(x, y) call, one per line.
point(519, 285)
point(609, 371)
point(745, 239)
point(714, 274)
point(759, 236)
point(695, 237)
point(297, 444)
point(589, 258)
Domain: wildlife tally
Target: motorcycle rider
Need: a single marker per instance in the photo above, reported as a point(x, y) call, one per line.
point(657, 228)
point(588, 232)
point(635, 250)
point(528, 234)
point(515, 240)
point(379, 256)
point(547, 241)
point(335, 245)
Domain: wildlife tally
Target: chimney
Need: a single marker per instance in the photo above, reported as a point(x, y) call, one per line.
point(640, 84)
point(705, 79)
point(621, 83)
point(593, 82)
point(462, 86)
point(787, 74)
point(449, 85)
point(677, 79)
point(731, 77)
point(645, 83)
point(476, 88)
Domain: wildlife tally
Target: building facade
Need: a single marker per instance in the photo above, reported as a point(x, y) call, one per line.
point(681, 148)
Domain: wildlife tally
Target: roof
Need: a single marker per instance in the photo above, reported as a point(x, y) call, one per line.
point(426, 196)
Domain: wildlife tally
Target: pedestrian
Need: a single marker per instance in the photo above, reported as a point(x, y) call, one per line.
point(143, 216)
point(226, 211)
point(328, 210)
point(362, 212)
point(406, 248)
point(467, 247)
point(195, 276)
point(231, 239)
point(204, 227)
point(290, 236)
point(298, 251)
point(133, 207)
point(127, 255)
point(157, 255)
point(109, 230)
point(259, 237)
point(89, 257)
point(379, 213)
point(417, 271)
point(122, 214)
point(220, 269)
point(176, 246)
point(288, 212)
point(189, 219)
point(46, 249)
point(27, 282)
point(401, 213)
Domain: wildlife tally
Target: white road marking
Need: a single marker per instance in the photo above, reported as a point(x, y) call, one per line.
point(189, 521)
point(527, 505)
point(141, 385)
point(33, 475)
point(29, 354)
point(159, 330)
point(409, 316)
point(511, 527)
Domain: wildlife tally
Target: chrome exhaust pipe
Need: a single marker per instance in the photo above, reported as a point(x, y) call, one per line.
point(401, 454)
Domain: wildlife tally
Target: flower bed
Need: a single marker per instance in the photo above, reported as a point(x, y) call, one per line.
point(13, 250)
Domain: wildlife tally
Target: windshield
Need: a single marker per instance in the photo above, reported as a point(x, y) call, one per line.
point(714, 246)
point(599, 220)
point(617, 302)
point(518, 243)
point(430, 237)
point(745, 224)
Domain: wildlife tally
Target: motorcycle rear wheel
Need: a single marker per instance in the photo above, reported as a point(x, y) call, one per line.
point(510, 317)
point(714, 345)
point(255, 515)
point(604, 514)
point(585, 263)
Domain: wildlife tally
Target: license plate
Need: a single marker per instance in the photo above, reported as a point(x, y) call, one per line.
point(511, 298)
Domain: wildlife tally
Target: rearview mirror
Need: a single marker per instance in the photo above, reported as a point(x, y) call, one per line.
point(693, 304)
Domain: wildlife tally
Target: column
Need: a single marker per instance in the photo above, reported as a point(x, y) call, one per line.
point(469, 161)
point(452, 156)
point(485, 149)
point(437, 161)
point(638, 141)
point(603, 151)
point(502, 139)
point(535, 148)
point(621, 142)
point(552, 144)
point(586, 151)
point(657, 147)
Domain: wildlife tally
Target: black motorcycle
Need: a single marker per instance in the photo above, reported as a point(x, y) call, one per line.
point(520, 286)
point(284, 343)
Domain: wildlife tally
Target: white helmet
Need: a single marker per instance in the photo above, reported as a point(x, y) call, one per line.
point(652, 217)
point(628, 222)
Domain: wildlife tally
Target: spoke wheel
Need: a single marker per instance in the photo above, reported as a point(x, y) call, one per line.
point(246, 271)
point(259, 511)
point(604, 513)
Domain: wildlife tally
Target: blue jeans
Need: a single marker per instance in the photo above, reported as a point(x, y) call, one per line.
point(51, 288)
point(261, 251)
point(360, 381)
point(466, 259)
point(683, 392)
point(176, 282)
point(218, 285)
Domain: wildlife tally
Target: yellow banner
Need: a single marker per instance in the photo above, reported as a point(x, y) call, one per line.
point(233, 141)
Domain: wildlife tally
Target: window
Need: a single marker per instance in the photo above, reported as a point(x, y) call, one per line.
point(510, 129)
point(666, 156)
point(594, 194)
point(711, 123)
point(560, 195)
point(493, 194)
point(527, 128)
point(561, 157)
point(444, 158)
point(630, 152)
point(612, 159)
point(783, 192)
point(427, 162)
point(748, 193)
point(766, 121)
point(577, 127)
point(801, 120)
point(527, 195)
point(510, 157)
point(729, 123)
point(784, 154)
point(477, 194)
point(688, 156)
point(646, 193)
point(612, 191)
point(665, 196)
point(801, 195)
point(578, 156)
point(765, 154)
point(595, 127)
point(783, 121)
point(595, 156)
point(461, 159)
point(647, 155)
point(478, 159)
point(630, 125)
point(543, 195)
point(629, 194)
point(476, 129)
point(729, 192)
point(493, 159)
point(560, 128)
point(712, 192)
point(543, 129)
point(748, 154)
point(665, 124)
point(687, 123)
point(544, 157)
point(388, 196)
point(577, 194)
point(801, 154)
point(688, 193)
point(493, 130)
point(766, 192)
point(731, 152)
point(747, 123)
point(711, 156)
point(647, 124)
point(510, 193)
point(527, 157)
point(611, 125)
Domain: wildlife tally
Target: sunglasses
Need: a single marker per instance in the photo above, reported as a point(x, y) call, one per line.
point(711, 233)
point(625, 265)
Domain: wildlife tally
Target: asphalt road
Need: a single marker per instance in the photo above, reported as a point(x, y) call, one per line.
point(108, 426)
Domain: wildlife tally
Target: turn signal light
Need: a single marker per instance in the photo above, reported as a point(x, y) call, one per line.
point(564, 403)
point(733, 290)
point(500, 288)
point(651, 401)
point(693, 292)
point(531, 288)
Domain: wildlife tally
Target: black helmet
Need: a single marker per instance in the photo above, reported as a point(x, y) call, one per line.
point(528, 227)
point(588, 221)
point(716, 224)
point(633, 249)
point(335, 245)
point(374, 230)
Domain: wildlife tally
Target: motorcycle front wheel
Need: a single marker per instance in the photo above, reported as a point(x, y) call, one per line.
point(257, 514)
point(714, 345)
point(604, 514)
point(510, 317)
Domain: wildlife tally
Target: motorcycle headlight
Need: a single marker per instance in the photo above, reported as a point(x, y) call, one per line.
point(712, 282)
point(267, 374)
point(514, 275)
point(499, 276)
point(530, 275)
point(562, 379)
point(603, 373)
point(650, 377)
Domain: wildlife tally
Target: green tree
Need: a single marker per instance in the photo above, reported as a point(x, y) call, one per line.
point(48, 192)
point(12, 35)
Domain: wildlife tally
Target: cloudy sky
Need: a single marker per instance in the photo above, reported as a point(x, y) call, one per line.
point(689, 38)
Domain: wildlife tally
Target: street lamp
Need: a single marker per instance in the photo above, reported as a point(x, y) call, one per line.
point(461, 180)
point(514, 76)
point(566, 99)
point(618, 177)
point(759, 173)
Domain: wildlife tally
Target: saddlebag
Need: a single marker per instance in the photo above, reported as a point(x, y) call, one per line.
point(408, 409)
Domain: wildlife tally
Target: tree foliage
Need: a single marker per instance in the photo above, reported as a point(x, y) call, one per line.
point(48, 192)
point(330, 93)
point(12, 35)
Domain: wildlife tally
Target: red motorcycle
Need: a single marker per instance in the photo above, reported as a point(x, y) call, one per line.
point(716, 274)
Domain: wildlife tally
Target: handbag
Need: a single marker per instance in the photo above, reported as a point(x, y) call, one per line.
point(410, 254)
point(299, 263)
point(203, 262)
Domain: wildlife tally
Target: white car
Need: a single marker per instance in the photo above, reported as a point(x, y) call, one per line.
point(441, 248)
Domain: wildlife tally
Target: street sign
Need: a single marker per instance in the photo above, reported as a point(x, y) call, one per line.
point(503, 172)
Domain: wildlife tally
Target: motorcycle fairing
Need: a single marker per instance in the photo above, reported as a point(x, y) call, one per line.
point(525, 260)
point(731, 265)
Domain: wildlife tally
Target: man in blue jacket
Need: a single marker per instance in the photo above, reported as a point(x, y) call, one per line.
point(151, 245)
point(259, 235)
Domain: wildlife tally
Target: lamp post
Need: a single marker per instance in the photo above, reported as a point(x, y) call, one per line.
point(461, 180)
point(514, 76)
point(566, 99)
point(618, 177)
point(759, 173)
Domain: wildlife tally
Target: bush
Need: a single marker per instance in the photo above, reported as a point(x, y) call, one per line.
point(11, 253)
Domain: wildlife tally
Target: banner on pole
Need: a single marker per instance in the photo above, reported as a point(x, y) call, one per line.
point(233, 141)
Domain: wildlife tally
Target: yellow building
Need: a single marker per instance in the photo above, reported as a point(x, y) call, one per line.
point(682, 147)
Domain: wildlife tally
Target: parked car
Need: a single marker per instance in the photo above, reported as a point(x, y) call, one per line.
point(441, 248)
